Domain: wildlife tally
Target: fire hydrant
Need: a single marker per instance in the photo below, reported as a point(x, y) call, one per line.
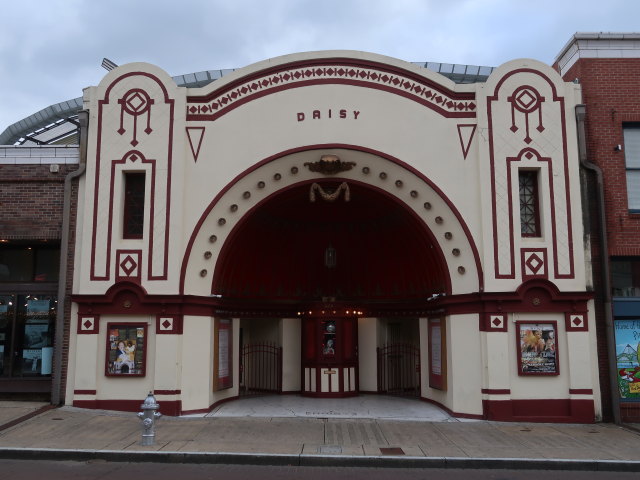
point(149, 415)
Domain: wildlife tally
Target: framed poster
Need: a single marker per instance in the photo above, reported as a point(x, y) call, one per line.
point(126, 350)
point(627, 333)
point(223, 354)
point(537, 348)
point(437, 353)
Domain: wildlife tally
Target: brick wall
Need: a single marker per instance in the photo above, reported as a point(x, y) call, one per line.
point(31, 202)
point(611, 92)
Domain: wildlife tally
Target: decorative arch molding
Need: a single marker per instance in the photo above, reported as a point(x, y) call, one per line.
point(407, 186)
point(332, 71)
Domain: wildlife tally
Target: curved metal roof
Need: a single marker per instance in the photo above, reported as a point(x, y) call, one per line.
point(57, 124)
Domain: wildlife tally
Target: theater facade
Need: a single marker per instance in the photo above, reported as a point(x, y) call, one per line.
point(331, 224)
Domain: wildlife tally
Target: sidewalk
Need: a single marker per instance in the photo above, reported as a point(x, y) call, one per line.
point(323, 437)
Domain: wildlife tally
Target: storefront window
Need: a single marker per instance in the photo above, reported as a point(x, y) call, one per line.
point(26, 330)
point(29, 263)
point(28, 282)
point(625, 277)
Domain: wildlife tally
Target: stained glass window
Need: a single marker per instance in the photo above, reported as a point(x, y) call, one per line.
point(134, 205)
point(529, 205)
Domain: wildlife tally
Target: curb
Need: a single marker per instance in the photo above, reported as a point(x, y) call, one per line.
point(306, 460)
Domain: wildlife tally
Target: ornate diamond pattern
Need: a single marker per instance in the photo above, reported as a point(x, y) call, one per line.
point(404, 85)
point(497, 321)
point(534, 263)
point(128, 265)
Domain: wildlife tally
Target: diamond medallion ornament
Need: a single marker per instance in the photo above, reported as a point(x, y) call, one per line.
point(534, 263)
point(128, 265)
point(496, 321)
point(166, 323)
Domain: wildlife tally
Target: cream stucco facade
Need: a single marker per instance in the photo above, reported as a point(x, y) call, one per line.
point(427, 232)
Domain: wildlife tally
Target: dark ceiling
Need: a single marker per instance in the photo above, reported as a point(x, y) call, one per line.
point(383, 252)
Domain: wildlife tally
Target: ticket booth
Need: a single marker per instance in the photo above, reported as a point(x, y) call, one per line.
point(330, 353)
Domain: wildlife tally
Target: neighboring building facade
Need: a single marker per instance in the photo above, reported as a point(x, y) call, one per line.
point(301, 224)
point(607, 67)
point(32, 181)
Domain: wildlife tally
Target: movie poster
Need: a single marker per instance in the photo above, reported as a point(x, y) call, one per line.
point(126, 349)
point(537, 348)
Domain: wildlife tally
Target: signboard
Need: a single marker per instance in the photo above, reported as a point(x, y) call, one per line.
point(627, 335)
point(223, 354)
point(537, 348)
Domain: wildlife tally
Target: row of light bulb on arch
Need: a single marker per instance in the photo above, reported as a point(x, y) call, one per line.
point(333, 312)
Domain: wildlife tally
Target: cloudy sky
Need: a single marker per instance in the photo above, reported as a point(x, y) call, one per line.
point(51, 49)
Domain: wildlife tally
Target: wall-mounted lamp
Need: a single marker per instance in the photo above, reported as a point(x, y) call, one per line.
point(617, 148)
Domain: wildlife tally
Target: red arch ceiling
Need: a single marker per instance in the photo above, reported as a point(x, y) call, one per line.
point(383, 251)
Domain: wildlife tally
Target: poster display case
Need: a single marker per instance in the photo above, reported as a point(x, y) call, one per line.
point(126, 350)
point(537, 348)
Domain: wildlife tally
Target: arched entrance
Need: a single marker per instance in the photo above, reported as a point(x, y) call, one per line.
point(281, 250)
point(334, 255)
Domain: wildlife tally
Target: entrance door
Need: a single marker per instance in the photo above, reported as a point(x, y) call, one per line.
point(330, 356)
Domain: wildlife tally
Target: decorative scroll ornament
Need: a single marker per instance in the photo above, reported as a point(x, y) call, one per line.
point(527, 100)
point(135, 103)
point(330, 196)
point(329, 165)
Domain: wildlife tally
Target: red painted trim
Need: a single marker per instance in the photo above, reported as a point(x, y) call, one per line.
point(539, 410)
point(101, 103)
point(178, 324)
point(580, 391)
point(545, 263)
point(390, 158)
point(486, 324)
point(571, 327)
point(465, 149)
point(128, 298)
point(83, 318)
point(84, 392)
point(195, 150)
point(496, 391)
point(271, 80)
point(560, 100)
point(152, 200)
point(172, 408)
point(133, 253)
point(167, 392)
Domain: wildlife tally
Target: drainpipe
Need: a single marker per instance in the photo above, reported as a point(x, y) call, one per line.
point(604, 255)
point(57, 395)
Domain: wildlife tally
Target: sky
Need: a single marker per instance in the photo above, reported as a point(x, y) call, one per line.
point(51, 49)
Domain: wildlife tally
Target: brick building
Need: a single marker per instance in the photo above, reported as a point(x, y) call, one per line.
point(36, 187)
point(607, 67)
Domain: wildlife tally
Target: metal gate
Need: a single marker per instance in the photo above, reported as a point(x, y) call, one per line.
point(399, 369)
point(260, 369)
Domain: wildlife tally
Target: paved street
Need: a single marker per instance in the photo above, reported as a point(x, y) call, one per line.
point(64, 470)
